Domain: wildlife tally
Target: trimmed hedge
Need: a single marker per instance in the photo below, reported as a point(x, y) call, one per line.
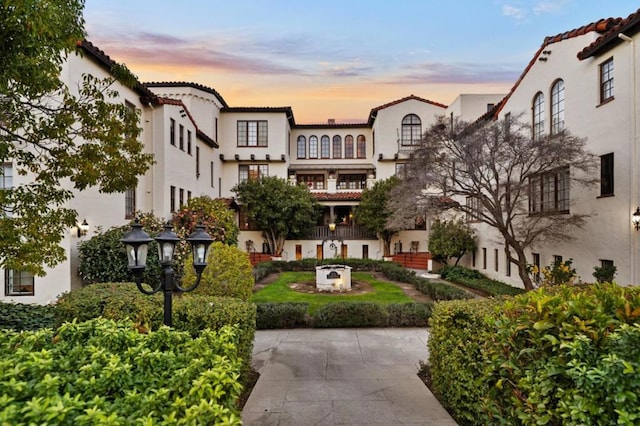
point(350, 314)
point(19, 316)
point(474, 279)
point(103, 372)
point(281, 315)
point(409, 314)
point(561, 355)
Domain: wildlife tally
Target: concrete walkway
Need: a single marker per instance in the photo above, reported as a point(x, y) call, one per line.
point(342, 377)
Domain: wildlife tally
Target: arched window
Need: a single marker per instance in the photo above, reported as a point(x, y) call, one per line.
point(313, 147)
point(557, 107)
point(411, 130)
point(361, 147)
point(337, 147)
point(538, 116)
point(302, 147)
point(348, 146)
point(325, 147)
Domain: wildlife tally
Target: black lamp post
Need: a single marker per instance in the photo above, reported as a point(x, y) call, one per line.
point(136, 244)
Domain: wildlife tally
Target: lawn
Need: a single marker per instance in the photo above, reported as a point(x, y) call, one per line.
point(279, 291)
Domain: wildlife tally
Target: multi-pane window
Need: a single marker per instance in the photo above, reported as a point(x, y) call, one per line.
point(337, 147)
point(252, 171)
point(6, 176)
point(557, 107)
point(474, 210)
point(189, 142)
point(244, 221)
point(172, 131)
point(130, 203)
point(538, 116)
point(549, 192)
point(302, 147)
point(420, 222)
point(411, 130)
point(252, 133)
point(181, 137)
point(172, 198)
point(355, 181)
point(606, 80)
point(606, 174)
point(361, 147)
point(311, 181)
point(18, 283)
point(348, 146)
point(313, 147)
point(401, 169)
point(325, 147)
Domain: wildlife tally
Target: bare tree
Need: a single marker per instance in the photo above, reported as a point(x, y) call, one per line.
point(502, 176)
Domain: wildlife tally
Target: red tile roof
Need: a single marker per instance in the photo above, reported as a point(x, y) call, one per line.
point(627, 26)
point(284, 110)
point(338, 196)
point(600, 26)
point(374, 111)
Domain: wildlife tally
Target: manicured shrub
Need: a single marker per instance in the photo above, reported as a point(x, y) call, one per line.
point(456, 361)
point(454, 273)
point(281, 315)
point(395, 272)
point(228, 273)
point(19, 316)
point(438, 290)
point(566, 355)
point(605, 273)
point(350, 314)
point(409, 314)
point(103, 372)
point(474, 279)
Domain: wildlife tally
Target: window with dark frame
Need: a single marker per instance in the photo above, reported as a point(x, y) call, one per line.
point(18, 283)
point(475, 209)
point(313, 147)
point(252, 171)
point(311, 181)
point(411, 130)
point(557, 107)
point(130, 203)
point(495, 260)
point(189, 142)
point(536, 263)
point(606, 175)
point(181, 137)
point(538, 116)
point(337, 146)
point(549, 192)
point(361, 147)
point(301, 147)
point(325, 147)
point(606, 80)
point(352, 181)
point(197, 162)
point(244, 222)
point(172, 198)
point(181, 197)
point(172, 132)
point(484, 258)
point(348, 146)
point(507, 259)
point(252, 133)
point(473, 258)
point(211, 168)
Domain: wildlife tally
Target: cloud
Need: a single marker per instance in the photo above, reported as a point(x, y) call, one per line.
point(458, 73)
point(514, 12)
point(548, 7)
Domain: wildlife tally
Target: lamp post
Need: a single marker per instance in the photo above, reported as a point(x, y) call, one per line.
point(635, 218)
point(136, 243)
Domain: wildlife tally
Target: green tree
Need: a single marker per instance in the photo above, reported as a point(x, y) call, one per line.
point(63, 139)
point(374, 211)
point(448, 239)
point(278, 209)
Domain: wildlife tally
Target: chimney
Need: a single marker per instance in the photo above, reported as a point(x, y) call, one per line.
point(331, 121)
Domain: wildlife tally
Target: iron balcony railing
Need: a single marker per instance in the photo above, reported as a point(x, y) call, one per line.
point(347, 232)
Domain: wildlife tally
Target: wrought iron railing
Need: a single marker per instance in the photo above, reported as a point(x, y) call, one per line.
point(347, 232)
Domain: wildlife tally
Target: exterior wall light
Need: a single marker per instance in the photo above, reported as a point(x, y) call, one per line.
point(83, 228)
point(635, 218)
point(332, 226)
point(136, 243)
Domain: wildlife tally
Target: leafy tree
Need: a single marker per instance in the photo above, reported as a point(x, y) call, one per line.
point(492, 165)
point(278, 209)
point(64, 139)
point(449, 239)
point(374, 211)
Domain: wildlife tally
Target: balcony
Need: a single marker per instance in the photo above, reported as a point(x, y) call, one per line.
point(342, 233)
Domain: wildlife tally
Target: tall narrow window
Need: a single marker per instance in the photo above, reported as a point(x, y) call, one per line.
point(181, 137)
point(172, 132)
point(557, 107)
point(188, 196)
point(211, 167)
point(507, 260)
point(302, 147)
point(172, 198)
point(197, 162)
point(313, 147)
point(361, 147)
point(536, 263)
point(411, 130)
point(325, 147)
point(18, 283)
point(6, 183)
point(495, 260)
point(189, 142)
point(337, 146)
point(606, 80)
point(484, 258)
point(130, 203)
point(606, 175)
point(181, 198)
point(538, 116)
point(348, 146)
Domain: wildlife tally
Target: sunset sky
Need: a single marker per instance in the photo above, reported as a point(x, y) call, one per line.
point(335, 59)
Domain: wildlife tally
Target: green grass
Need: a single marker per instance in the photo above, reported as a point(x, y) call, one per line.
point(279, 291)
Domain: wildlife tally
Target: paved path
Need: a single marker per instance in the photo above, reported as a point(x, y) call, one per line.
point(342, 377)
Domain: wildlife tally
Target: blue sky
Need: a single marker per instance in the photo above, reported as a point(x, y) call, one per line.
point(331, 58)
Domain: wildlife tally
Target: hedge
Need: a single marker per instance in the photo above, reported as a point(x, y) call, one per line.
point(19, 317)
point(108, 373)
point(476, 280)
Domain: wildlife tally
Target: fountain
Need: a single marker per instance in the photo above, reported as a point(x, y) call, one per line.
point(333, 278)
